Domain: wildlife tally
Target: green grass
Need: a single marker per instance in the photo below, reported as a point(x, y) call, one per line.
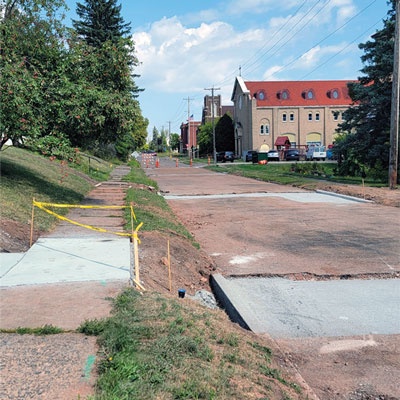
point(158, 348)
point(41, 331)
point(295, 174)
point(26, 176)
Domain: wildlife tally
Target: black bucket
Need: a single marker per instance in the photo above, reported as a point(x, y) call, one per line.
point(181, 293)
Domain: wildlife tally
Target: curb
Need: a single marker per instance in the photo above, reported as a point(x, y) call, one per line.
point(344, 196)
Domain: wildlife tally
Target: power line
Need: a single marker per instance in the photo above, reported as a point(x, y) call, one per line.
point(340, 51)
point(326, 37)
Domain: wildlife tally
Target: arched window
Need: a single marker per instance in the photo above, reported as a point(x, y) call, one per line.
point(264, 127)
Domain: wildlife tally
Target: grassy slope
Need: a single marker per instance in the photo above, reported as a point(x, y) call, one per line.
point(26, 176)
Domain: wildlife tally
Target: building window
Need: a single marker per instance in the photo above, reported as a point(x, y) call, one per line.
point(264, 127)
point(285, 95)
point(317, 116)
point(336, 115)
point(261, 95)
point(291, 117)
point(310, 94)
point(310, 116)
point(284, 117)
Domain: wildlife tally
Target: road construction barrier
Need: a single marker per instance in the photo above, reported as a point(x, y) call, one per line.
point(134, 275)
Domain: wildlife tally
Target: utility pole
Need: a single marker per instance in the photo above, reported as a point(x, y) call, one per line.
point(394, 119)
point(212, 119)
point(190, 141)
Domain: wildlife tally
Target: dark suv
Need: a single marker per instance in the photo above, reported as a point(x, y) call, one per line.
point(225, 156)
point(292, 155)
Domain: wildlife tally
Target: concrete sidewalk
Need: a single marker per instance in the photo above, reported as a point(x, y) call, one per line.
point(71, 253)
point(58, 260)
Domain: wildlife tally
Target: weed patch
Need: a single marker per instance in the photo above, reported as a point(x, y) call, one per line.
point(153, 347)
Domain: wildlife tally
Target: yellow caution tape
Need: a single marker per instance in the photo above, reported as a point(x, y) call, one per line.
point(43, 206)
point(39, 203)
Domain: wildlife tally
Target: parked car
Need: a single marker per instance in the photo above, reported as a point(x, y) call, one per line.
point(292, 155)
point(316, 153)
point(248, 155)
point(273, 155)
point(225, 156)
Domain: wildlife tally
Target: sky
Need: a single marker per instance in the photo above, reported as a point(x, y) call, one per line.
point(185, 48)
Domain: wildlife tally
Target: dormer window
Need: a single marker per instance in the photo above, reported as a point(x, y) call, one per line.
point(261, 95)
point(283, 94)
point(308, 94)
point(333, 94)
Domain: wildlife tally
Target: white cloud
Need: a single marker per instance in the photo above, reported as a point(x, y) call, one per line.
point(269, 74)
point(176, 58)
point(181, 56)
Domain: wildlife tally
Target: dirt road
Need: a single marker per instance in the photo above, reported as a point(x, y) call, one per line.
point(286, 231)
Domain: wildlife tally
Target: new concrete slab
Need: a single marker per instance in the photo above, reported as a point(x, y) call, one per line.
point(54, 260)
point(285, 308)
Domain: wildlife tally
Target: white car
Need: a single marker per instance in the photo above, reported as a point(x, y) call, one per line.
point(273, 155)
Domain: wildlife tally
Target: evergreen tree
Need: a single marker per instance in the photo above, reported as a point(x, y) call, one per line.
point(364, 143)
point(100, 21)
point(107, 65)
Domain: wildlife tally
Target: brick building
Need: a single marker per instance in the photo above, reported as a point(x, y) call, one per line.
point(305, 112)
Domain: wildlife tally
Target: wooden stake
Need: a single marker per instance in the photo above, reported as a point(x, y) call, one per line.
point(33, 216)
point(169, 269)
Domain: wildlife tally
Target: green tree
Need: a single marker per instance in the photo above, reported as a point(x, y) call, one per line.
point(107, 62)
point(100, 22)
point(205, 139)
point(174, 141)
point(364, 143)
point(155, 139)
point(32, 60)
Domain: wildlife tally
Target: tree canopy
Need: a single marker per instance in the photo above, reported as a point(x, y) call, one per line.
point(60, 92)
point(363, 145)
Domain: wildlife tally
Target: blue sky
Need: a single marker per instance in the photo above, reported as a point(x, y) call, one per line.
point(185, 47)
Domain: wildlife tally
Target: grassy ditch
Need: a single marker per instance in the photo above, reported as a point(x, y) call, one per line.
point(158, 348)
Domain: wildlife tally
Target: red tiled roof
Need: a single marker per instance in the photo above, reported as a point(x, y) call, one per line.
point(299, 93)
